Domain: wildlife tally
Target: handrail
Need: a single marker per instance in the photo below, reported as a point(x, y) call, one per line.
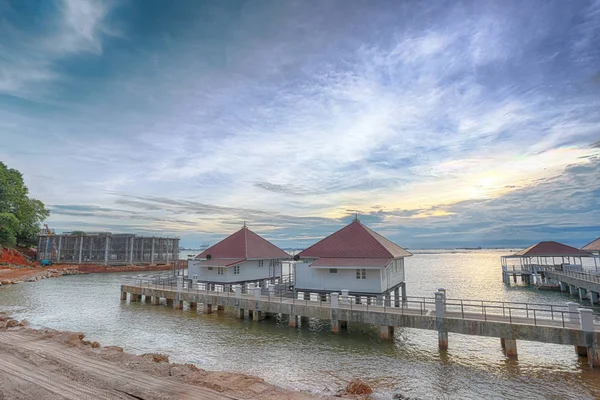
point(454, 308)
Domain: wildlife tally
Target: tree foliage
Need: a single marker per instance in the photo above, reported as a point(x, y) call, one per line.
point(20, 215)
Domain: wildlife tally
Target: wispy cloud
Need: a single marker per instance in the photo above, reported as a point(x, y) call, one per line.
point(440, 117)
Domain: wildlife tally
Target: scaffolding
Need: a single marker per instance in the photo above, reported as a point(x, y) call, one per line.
point(106, 248)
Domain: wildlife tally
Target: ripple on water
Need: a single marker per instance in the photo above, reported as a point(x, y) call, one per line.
point(315, 360)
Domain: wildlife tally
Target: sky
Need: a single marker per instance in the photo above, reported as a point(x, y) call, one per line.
point(441, 124)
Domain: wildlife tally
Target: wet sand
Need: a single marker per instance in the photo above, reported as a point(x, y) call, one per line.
point(48, 364)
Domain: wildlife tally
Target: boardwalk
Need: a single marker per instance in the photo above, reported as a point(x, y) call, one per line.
point(505, 320)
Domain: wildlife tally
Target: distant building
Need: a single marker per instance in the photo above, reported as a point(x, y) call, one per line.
point(356, 259)
point(593, 247)
point(106, 248)
point(241, 257)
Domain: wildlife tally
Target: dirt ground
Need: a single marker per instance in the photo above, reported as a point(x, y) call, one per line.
point(47, 364)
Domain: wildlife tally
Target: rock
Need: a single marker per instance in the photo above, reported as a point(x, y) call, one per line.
point(5, 282)
point(4, 318)
point(357, 386)
point(95, 345)
point(24, 323)
point(2, 325)
point(12, 322)
point(156, 357)
point(115, 348)
point(30, 279)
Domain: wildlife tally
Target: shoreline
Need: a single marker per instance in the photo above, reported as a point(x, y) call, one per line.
point(50, 364)
point(14, 275)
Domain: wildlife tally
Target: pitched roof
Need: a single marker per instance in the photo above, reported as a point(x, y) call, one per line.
point(593, 246)
point(551, 249)
point(351, 262)
point(354, 241)
point(242, 245)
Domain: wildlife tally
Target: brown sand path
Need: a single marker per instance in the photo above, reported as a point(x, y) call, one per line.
point(38, 365)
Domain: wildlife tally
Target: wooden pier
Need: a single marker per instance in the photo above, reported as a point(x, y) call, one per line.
point(560, 324)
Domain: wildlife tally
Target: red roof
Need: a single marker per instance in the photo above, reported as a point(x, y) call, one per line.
point(355, 241)
point(551, 249)
point(593, 246)
point(351, 262)
point(244, 245)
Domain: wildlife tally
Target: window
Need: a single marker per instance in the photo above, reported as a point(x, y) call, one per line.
point(361, 274)
point(210, 268)
point(260, 263)
point(333, 270)
point(220, 271)
point(236, 270)
point(271, 263)
point(195, 277)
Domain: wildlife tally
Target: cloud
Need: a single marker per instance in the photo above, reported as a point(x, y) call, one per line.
point(432, 121)
point(30, 57)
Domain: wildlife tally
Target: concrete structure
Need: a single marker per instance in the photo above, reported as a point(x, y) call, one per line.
point(594, 248)
point(106, 248)
point(241, 257)
point(531, 263)
point(583, 285)
point(571, 328)
point(354, 259)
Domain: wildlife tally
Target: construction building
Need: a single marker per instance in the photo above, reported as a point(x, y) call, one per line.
point(106, 248)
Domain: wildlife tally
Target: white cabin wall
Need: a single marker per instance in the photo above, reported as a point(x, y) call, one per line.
point(321, 279)
point(249, 271)
point(392, 275)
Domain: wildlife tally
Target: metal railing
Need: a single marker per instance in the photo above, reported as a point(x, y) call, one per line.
point(486, 310)
point(585, 276)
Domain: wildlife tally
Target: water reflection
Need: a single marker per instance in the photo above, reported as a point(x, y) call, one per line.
point(311, 358)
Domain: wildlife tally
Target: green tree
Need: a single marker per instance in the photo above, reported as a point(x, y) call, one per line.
point(20, 215)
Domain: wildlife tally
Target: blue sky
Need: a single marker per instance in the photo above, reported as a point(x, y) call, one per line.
point(447, 123)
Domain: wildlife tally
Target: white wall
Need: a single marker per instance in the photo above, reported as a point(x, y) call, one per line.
point(249, 271)
point(392, 275)
point(321, 279)
point(378, 279)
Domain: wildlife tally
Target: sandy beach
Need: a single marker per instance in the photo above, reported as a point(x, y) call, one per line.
point(48, 364)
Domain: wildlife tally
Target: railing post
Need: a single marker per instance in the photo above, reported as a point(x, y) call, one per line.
point(440, 311)
point(573, 312)
point(345, 296)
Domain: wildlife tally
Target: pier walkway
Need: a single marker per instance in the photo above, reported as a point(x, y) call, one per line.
point(509, 321)
point(583, 284)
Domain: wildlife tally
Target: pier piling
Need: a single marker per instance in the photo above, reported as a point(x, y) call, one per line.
point(155, 300)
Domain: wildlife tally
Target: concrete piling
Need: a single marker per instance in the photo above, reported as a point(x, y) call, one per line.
point(207, 308)
point(572, 290)
point(123, 295)
point(587, 326)
point(582, 294)
point(239, 313)
point(510, 347)
point(155, 300)
point(440, 312)
point(178, 305)
point(293, 321)
point(133, 297)
point(387, 332)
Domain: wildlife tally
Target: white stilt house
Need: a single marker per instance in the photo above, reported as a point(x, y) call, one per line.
point(355, 259)
point(594, 248)
point(239, 258)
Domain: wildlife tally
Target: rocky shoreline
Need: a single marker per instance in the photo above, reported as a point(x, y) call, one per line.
point(42, 274)
point(66, 358)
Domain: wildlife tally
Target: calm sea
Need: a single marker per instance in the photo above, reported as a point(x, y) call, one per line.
point(314, 360)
